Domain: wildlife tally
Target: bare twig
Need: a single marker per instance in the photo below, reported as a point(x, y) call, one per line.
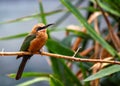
point(59, 56)
point(114, 37)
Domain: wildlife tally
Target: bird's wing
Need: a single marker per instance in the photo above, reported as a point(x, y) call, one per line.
point(26, 43)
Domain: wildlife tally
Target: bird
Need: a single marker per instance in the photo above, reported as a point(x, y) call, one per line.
point(33, 42)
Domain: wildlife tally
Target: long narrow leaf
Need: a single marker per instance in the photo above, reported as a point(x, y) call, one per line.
point(31, 17)
point(104, 72)
point(30, 82)
point(109, 9)
point(55, 82)
point(89, 28)
point(59, 67)
point(25, 18)
point(37, 15)
point(30, 74)
point(80, 34)
point(14, 36)
point(42, 12)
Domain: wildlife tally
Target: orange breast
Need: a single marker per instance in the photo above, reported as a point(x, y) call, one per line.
point(38, 42)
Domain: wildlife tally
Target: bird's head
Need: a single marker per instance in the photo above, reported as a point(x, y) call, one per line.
point(40, 27)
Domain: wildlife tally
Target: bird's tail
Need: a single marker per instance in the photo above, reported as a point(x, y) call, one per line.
point(21, 67)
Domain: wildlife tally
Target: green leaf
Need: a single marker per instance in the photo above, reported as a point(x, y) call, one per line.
point(25, 18)
point(80, 34)
point(30, 74)
point(64, 73)
point(55, 82)
point(111, 80)
point(104, 72)
point(60, 69)
point(14, 36)
point(37, 15)
point(110, 7)
point(31, 17)
point(89, 28)
point(56, 47)
point(30, 82)
point(43, 18)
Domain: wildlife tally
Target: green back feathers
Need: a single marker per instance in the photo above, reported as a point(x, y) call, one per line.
point(26, 42)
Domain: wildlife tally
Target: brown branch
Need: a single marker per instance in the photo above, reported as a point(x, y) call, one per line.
point(114, 37)
point(59, 56)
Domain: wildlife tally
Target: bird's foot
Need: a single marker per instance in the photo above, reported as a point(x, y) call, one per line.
point(40, 52)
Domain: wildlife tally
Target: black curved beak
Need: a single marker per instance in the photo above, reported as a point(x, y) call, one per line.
point(44, 27)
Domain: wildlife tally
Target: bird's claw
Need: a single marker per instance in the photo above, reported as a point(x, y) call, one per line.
point(40, 52)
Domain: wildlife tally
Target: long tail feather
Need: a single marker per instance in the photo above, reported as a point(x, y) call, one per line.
point(21, 67)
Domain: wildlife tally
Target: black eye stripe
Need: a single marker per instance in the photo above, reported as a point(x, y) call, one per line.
point(44, 27)
point(40, 28)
